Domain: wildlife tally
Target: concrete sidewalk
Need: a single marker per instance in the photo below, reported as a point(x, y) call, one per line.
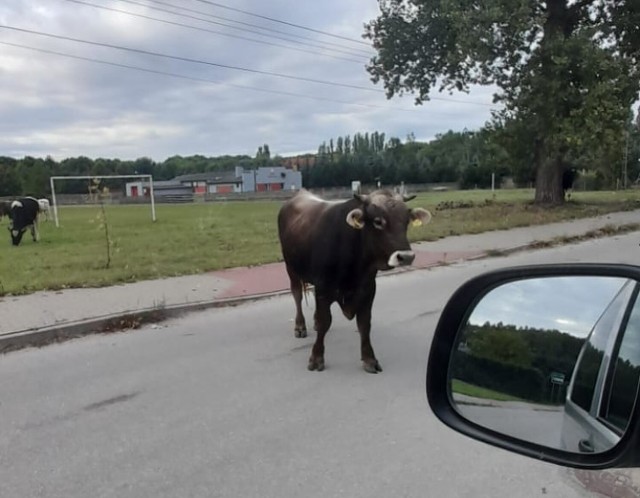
point(53, 310)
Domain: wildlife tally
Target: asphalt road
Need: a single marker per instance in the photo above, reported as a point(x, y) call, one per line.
point(220, 403)
point(542, 426)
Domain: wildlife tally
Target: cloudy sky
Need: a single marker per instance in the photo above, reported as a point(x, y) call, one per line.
point(570, 304)
point(52, 104)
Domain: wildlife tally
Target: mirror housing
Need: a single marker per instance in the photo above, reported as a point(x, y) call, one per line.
point(626, 453)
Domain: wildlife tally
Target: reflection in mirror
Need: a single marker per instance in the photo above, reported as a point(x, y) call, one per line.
point(553, 360)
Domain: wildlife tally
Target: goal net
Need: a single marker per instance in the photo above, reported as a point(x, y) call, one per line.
point(54, 179)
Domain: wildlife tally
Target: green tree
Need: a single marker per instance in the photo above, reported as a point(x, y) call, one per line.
point(10, 181)
point(35, 176)
point(263, 156)
point(567, 70)
point(501, 344)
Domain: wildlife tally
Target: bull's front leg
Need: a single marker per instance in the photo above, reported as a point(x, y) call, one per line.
point(34, 231)
point(322, 319)
point(363, 318)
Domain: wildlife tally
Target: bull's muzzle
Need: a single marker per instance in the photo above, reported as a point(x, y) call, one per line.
point(401, 258)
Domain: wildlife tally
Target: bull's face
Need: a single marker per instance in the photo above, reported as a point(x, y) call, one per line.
point(384, 219)
point(16, 235)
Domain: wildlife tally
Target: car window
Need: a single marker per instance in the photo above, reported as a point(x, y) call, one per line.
point(625, 373)
point(593, 353)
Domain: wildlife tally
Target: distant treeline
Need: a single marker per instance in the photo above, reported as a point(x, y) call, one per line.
point(468, 158)
point(516, 361)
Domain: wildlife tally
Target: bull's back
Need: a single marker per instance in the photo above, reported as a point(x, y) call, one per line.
point(295, 223)
point(298, 221)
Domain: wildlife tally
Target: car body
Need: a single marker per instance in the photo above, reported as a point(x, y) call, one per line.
point(620, 320)
point(597, 407)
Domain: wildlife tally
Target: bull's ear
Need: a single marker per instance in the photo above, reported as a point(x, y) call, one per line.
point(420, 216)
point(407, 198)
point(354, 218)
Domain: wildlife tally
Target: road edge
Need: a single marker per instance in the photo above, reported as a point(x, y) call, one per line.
point(134, 319)
point(117, 322)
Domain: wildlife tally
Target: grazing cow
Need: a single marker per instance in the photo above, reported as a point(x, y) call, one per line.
point(44, 208)
point(338, 247)
point(24, 214)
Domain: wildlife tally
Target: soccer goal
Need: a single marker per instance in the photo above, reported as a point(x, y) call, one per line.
point(53, 179)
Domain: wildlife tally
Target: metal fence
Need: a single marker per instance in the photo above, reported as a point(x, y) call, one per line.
point(325, 193)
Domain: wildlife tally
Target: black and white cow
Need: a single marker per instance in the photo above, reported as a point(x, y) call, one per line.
point(24, 214)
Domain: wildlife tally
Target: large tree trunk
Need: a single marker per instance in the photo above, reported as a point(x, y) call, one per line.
point(549, 182)
point(549, 154)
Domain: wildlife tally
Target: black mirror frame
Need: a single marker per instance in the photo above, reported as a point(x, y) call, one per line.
point(625, 454)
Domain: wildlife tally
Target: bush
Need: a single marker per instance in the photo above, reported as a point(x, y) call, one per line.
point(527, 383)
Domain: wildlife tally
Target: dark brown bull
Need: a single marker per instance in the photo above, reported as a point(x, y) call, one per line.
point(338, 247)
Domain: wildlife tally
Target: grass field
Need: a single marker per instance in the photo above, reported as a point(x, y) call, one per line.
point(195, 238)
point(459, 387)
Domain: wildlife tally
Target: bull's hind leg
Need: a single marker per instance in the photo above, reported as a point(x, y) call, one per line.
point(322, 320)
point(300, 328)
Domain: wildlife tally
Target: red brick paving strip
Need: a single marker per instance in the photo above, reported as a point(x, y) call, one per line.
point(273, 277)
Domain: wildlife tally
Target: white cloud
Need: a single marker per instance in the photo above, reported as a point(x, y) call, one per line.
point(63, 107)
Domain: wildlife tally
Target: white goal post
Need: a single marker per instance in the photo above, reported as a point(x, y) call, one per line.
point(53, 179)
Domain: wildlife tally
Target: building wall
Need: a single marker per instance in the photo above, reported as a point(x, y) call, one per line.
point(278, 178)
point(293, 180)
point(225, 188)
point(261, 180)
point(200, 188)
point(132, 186)
point(248, 181)
point(159, 192)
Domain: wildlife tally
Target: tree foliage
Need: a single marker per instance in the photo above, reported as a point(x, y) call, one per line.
point(517, 360)
point(567, 70)
point(468, 158)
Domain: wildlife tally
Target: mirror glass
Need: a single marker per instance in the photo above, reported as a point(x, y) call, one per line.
point(552, 360)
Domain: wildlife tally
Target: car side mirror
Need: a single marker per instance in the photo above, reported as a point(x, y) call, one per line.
point(543, 361)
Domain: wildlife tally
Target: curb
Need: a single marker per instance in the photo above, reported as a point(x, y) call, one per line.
point(127, 320)
point(116, 322)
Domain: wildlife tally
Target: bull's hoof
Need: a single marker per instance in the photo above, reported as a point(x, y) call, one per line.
point(371, 366)
point(316, 364)
point(300, 332)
